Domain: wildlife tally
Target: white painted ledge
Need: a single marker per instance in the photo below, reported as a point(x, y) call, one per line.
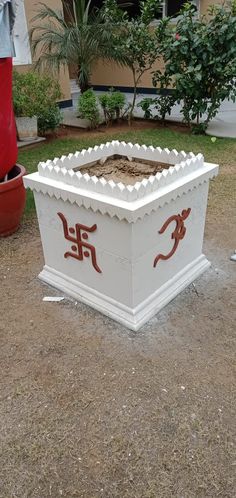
point(131, 202)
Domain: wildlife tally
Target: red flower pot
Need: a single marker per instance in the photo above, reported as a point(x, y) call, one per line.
point(12, 201)
point(8, 144)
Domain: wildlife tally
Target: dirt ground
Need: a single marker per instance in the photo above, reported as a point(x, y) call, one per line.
point(122, 170)
point(90, 409)
point(138, 124)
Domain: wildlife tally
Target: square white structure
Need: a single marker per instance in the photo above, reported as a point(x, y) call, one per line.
point(124, 250)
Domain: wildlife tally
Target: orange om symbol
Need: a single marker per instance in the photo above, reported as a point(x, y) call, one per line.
point(178, 234)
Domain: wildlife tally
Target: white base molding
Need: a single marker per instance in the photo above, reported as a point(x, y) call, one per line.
point(131, 318)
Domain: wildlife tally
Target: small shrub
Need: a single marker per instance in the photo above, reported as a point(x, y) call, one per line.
point(104, 102)
point(162, 104)
point(88, 108)
point(199, 61)
point(117, 102)
point(34, 94)
point(145, 105)
point(49, 119)
point(112, 104)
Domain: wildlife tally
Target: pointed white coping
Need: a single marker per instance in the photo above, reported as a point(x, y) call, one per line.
point(61, 169)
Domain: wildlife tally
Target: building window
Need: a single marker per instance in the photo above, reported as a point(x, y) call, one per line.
point(172, 8)
point(21, 37)
point(132, 7)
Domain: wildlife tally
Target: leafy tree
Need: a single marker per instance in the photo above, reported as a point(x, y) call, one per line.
point(199, 61)
point(133, 42)
point(80, 38)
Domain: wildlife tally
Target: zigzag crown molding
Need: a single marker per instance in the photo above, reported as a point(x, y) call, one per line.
point(62, 169)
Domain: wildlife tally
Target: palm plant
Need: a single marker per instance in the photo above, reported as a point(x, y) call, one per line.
point(80, 38)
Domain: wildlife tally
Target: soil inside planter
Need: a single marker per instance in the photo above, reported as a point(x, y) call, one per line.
point(13, 173)
point(120, 169)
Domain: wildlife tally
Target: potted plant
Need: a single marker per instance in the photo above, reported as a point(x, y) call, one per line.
point(33, 95)
point(12, 191)
point(12, 200)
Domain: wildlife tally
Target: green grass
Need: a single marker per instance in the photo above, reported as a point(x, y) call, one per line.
point(223, 151)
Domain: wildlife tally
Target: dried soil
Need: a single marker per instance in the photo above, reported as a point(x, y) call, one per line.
point(119, 127)
point(125, 171)
point(89, 409)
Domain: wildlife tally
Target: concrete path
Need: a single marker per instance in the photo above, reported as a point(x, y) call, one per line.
point(24, 143)
point(223, 125)
point(70, 118)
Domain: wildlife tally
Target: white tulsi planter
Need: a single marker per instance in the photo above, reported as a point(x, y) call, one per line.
point(124, 250)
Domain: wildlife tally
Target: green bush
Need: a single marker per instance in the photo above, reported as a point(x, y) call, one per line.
point(145, 105)
point(34, 94)
point(199, 61)
point(88, 108)
point(112, 104)
point(49, 119)
point(162, 105)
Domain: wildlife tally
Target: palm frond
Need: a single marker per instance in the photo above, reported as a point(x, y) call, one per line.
point(46, 12)
point(81, 38)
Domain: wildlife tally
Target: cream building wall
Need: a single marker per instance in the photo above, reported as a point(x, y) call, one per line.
point(112, 75)
point(103, 74)
point(30, 7)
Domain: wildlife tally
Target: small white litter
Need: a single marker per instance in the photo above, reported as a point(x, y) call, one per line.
point(233, 257)
point(55, 299)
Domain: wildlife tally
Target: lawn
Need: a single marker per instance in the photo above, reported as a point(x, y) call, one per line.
point(222, 151)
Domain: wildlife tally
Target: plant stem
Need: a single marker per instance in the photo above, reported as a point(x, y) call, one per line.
point(135, 80)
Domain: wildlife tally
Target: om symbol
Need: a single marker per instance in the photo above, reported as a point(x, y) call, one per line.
point(178, 233)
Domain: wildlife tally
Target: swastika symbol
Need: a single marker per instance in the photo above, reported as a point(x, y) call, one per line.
point(80, 247)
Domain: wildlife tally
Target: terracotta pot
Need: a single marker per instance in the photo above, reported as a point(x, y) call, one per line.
point(12, 201)
point(8, 145)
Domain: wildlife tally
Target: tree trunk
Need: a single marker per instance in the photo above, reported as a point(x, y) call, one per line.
point(134, 96)
point(83, 86)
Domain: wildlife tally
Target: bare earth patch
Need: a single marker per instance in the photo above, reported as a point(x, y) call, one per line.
point(89, 409)
point(122, 170)
point(121, 126)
